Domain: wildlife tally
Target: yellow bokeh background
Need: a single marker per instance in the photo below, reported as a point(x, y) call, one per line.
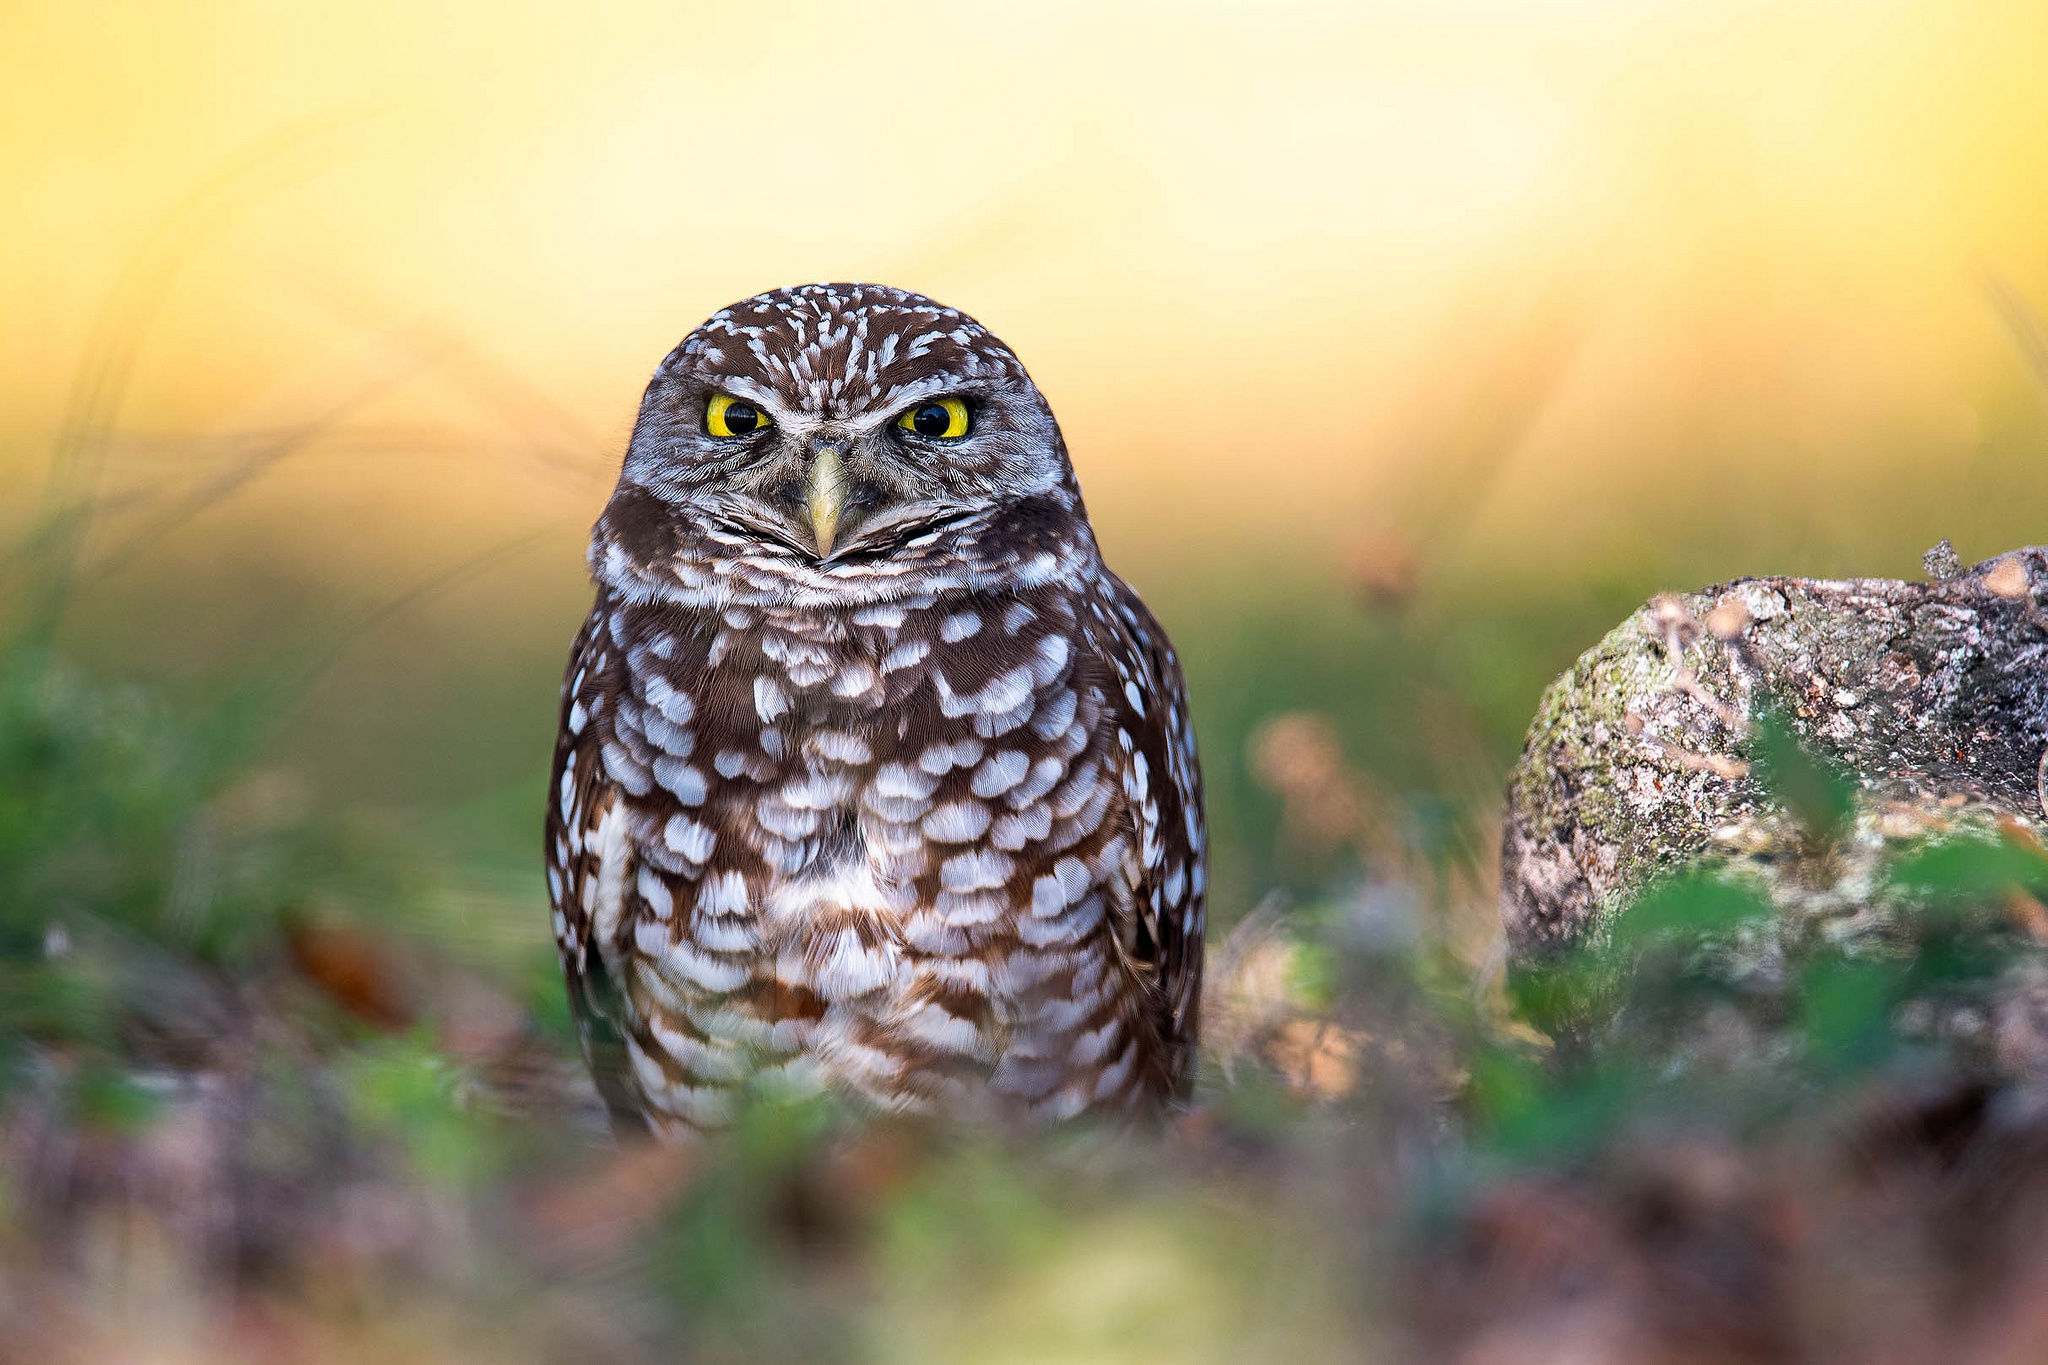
point(1402, 347)
point(1531, 291)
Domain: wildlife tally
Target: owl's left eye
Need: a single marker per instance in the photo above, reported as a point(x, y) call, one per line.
point(942, 419)
point(725, 415)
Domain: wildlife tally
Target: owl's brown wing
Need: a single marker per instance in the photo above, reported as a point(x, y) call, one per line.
point(1160, 914)
point(589, 862)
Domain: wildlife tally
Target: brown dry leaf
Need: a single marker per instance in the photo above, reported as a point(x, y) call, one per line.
point(2028, 913)
point(2018, 832)
point(1316, 1057)
point(357, 971)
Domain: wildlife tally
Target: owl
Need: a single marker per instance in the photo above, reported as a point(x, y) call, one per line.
point(871, 776)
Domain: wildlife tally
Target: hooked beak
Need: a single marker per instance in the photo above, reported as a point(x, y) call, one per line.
point(825, 498)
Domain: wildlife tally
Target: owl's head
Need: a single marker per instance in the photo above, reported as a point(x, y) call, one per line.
point(834, 425)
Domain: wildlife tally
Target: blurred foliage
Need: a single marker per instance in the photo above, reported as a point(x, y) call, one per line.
point(285, 1077)
point(402, 1101)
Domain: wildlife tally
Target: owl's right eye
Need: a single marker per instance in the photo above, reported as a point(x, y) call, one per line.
point(727, 416)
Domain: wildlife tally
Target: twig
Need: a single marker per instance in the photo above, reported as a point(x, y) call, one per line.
point(1679, 630)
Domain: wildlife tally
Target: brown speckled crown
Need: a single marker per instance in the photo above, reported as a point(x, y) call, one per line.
point(846, 348)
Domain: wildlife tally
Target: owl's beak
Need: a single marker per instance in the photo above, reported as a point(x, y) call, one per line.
point(825, 498)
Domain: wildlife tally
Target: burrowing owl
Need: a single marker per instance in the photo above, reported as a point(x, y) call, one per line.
point(871, 774)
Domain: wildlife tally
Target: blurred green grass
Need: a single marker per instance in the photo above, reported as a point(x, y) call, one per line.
point(282, 1037)
point(179, 901)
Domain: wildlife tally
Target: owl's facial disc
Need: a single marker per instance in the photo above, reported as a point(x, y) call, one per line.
point(841, 423)
point(855, 484)
point(829, 485)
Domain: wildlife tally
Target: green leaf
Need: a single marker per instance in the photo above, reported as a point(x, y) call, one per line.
point(1819, 792)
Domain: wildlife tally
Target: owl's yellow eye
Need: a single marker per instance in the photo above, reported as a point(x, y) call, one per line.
point(942, 418)
point(729, 416)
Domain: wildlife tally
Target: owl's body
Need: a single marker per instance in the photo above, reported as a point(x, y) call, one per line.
point(911, 812)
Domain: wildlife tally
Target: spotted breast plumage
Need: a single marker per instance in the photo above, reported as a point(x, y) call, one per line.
point(871, 775)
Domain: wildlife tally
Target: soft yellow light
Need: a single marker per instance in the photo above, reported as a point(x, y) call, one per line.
point(1731, 225)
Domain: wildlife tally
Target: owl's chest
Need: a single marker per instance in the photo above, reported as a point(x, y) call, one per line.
point(887, 841)
point(864, 763)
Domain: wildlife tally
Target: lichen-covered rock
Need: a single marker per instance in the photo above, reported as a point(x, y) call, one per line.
point(1932, 697)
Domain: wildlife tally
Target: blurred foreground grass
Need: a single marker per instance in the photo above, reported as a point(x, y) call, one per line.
point(286, 1072)
point(289, 1079)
